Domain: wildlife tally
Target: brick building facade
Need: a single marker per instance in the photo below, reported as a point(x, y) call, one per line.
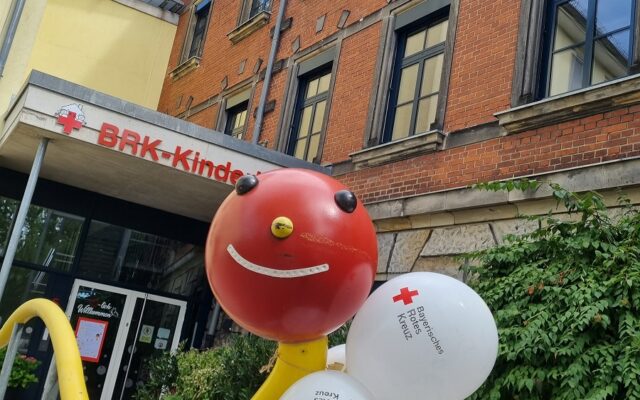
point(412, 101)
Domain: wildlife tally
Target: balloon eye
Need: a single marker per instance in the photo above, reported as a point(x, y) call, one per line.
point(346, 200)
point(245, 184)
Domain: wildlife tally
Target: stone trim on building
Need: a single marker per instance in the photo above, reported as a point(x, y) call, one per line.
point(595, 99)
point(184, 68)
point(431, 232)
point(247, 28)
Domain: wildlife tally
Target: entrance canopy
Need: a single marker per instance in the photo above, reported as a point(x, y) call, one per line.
point(106, 145)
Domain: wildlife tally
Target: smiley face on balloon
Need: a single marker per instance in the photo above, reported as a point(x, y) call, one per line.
point(291, 254)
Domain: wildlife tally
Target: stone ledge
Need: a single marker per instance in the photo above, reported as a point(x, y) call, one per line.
point(412, 146)
point(573, 105)
point(184, 68)
point(419, 211)
point(247, 28)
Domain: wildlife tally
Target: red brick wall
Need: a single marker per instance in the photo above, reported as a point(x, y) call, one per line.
point(590, 140)
point(350, 103)
point(305, 14)
point(222, 58)
point(206, 117)
point(483, 62)
point(480, 85)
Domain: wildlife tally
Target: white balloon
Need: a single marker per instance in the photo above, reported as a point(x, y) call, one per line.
point(422, 336)
point(327, 385)
point(336, 358)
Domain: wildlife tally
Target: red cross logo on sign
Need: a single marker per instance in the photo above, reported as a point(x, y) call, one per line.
point(69, 122)
point(405, 295)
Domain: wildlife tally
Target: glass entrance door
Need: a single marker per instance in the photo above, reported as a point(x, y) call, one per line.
point(117, 329)
point(98, 318)
point(153, 330)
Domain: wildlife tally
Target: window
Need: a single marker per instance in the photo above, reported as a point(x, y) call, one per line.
point(251, 8)
point(309, 118)
point(49, 237)
point(119, 254)
point(416, 80)
point(587, 42)
point(198, 30)
point(406, 116)
point(236, 120)
point(307, 103)
point(234, 116)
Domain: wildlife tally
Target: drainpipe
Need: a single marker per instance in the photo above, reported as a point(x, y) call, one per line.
point(267, 77)
point(10, 32)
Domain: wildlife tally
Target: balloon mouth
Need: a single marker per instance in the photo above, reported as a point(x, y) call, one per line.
point(275, 273)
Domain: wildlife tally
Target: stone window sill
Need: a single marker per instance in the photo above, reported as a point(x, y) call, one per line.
point(247, 28)
point(412, 146)
point(184, 68)
point(577, 104)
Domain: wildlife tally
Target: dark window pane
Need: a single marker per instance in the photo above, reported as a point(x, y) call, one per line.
point(300, 148)
point(415, 43)
point(402, 122)
point(408, 81)
point(258, 6)
point(426, 113)
point(313, 147)
point(23, 284)
point(309, 115)
point(417, 76)
point(566, 71)
point(199, 30)
point(49, 238)
point(612, 15)
point(611, 57)
point(431, 75)
point(305, 122)
point(323, 83)
point(312, 88)
point(318, 118)
point(117, 254)
point(236, 120)
point(571, 24)
point(437, 34)
point(8, 210)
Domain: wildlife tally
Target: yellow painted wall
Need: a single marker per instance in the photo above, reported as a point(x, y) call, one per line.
point(105, 46)
point(100, 44)
point(15, 70)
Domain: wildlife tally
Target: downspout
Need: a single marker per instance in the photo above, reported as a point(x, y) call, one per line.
point(267, 77)
point(10, 32)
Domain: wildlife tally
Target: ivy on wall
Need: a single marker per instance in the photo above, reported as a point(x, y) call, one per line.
point(566, 299)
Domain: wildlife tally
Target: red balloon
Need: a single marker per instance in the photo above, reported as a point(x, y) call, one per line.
point(305, 283)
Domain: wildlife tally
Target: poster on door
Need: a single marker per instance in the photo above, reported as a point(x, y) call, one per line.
point(146, 334)
point(90, 335)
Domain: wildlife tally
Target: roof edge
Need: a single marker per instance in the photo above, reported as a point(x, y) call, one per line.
point(132, 110)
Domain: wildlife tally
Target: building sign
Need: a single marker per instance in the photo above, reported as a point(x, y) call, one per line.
point(188, 160)
point(147, 147)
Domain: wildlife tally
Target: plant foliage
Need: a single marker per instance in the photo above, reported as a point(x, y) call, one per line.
point(566, 299)
point(23, 370)
point(234, 371)
point(229, 372)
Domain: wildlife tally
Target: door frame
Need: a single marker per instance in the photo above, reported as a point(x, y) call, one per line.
point(125, 325)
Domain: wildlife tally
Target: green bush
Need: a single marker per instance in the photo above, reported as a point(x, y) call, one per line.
point(566, 299)
point(230, 372)
point(23, 370)
point(234, 371)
